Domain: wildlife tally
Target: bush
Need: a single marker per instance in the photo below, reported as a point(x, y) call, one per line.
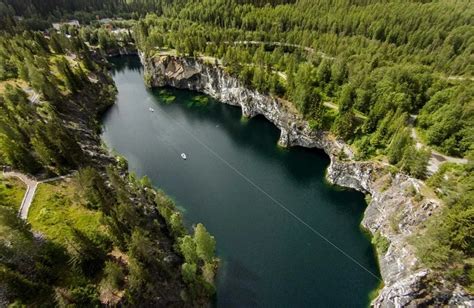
point(188, 270)
point(415, 161)
point(380, 242)
point(86, 296)
point(205, 243)
point(87, 256)
point(113, 275)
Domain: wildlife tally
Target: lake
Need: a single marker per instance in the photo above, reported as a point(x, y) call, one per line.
point(258, 200)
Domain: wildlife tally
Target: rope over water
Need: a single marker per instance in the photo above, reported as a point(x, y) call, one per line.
point(281, 205)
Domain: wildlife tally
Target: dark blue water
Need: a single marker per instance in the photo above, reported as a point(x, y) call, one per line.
point(269, 258)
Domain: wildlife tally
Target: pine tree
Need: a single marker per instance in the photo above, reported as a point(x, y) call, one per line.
point(73, 83)
point(56, 44)
point(344, 125)
point(346, 100)
point(396, 148)
point(188, 248)
point(205, 243)
point(324, 72)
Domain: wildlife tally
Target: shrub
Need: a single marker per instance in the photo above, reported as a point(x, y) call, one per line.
point(114, 275)
point(380, 242)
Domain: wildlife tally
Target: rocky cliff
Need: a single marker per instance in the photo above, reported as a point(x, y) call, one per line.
point(393, 213)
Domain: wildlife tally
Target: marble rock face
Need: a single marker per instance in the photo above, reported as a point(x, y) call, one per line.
point(392, 212)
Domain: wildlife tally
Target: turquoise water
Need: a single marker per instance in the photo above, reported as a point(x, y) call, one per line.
point(269, 258)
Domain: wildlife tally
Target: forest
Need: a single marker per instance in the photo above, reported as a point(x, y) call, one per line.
point(140, 250)
point(35, 102)
point(53, 88)
point(383, 80)
point(383, 83)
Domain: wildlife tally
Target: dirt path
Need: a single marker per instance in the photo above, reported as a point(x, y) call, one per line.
point(436, 158)
point(461, 78)
point(331, 105)
point(31, 185)
point(305, 48)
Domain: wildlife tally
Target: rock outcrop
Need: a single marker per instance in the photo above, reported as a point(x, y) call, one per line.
point(393, 213)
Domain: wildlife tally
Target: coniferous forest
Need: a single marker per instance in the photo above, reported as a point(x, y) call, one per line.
point(393, 79)
point(103, 236)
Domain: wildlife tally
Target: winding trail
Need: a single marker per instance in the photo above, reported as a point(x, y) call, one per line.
point(460, 78)
point(281, 44)
point(31, 185)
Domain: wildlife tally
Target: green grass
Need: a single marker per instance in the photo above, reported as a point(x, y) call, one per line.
point(58, 207)
point(13, 191)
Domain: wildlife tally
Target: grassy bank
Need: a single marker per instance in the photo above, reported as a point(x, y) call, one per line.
point(58, 207)
point(12, 191)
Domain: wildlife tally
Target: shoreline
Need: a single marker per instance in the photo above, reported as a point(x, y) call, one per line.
point(404, 279)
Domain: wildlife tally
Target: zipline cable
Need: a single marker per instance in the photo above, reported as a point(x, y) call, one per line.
point(281, 205)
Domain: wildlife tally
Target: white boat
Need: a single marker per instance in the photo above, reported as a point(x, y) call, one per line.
point(183, 156)
point(151, 109)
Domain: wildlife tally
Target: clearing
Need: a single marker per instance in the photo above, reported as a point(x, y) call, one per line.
point(58, 207)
